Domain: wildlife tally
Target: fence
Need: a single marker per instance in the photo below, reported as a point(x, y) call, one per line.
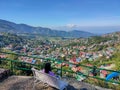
point(14, 63)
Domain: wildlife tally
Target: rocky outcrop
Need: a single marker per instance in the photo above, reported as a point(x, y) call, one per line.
point(26, 83)
point(4, 73)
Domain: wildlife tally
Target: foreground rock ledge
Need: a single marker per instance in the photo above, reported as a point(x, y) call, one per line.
point(26, 83)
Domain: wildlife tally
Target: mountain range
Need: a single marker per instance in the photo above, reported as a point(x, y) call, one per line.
point(10, 27)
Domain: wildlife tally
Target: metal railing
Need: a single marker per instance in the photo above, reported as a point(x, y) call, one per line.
point(53, 60)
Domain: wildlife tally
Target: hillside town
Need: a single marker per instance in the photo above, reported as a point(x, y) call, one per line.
point(85, 51)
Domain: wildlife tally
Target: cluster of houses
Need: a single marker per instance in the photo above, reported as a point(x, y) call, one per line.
point(73, 54)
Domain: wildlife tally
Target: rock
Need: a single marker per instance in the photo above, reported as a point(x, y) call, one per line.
point(4, 73)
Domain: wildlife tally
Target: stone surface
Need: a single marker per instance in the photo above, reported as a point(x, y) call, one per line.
point(26, 83)
point(4, 73)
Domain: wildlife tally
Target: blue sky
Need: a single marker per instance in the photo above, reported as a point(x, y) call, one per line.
point(61, 13)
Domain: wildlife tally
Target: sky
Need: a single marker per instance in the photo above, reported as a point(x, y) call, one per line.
point(64, 14)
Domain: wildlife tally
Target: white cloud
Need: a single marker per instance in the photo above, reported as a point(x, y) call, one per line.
point(71, 25)
point(92, 29)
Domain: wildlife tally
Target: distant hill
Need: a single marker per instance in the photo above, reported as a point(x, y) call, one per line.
point(7, 26)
